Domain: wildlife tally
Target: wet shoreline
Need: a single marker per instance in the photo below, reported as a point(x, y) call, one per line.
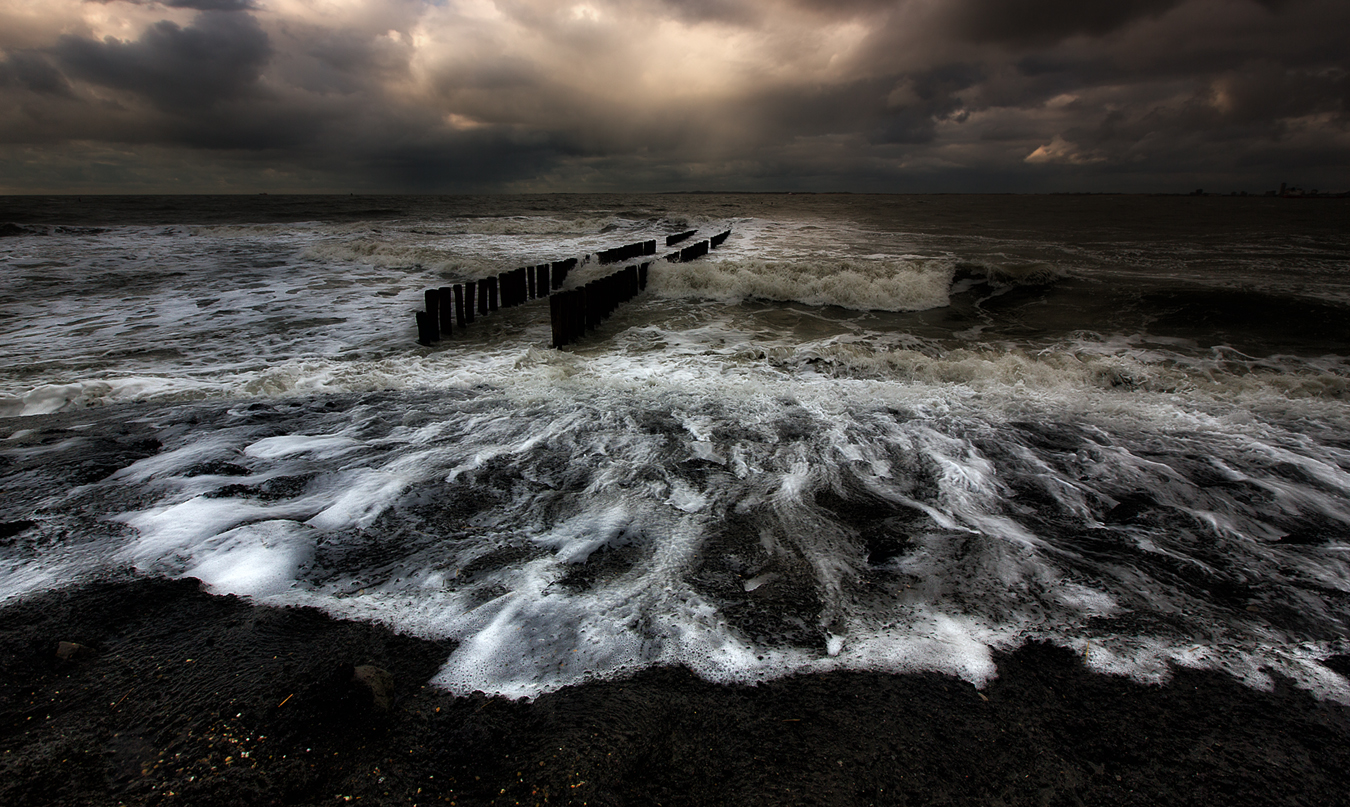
point(219, 701)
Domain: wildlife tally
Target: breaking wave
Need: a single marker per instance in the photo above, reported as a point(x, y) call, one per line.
point(877, 285)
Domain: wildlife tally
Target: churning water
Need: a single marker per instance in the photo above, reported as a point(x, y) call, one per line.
point(883, 433)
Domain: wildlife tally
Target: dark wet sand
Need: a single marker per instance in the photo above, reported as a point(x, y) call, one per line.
point(188, 698)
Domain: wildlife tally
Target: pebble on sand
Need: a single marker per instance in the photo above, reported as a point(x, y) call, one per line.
point(379, 681)
point(72, 651)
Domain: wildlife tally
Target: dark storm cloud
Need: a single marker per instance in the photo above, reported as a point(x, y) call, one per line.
point(1025, 22)
point(865, 94)
point(212, 5)
point(198, 5)
point(889, 108)
point(220, 56)
point(847, 8)
point(475, 160)
point(35, 73)
point(1265, 91)
point(1257, 104)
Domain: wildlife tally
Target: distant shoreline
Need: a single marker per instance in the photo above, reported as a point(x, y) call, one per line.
point(281, 195)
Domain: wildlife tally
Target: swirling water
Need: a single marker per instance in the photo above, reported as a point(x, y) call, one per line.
point(886, 433)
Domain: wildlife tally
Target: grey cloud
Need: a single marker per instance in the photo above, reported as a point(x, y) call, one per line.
point(212, 5)
point(906, 126)
point(755, 12)
point(728, 11)
point(1031, 22)
point(929, 96)
point(848, 8)
point(1242, 114)
point(955, 96)
point(346, 62)
point(938, 84)
point(220, 56)
point(474, 161)
point(198, 5)
point(33, 72)
point(1190, 53)
point(1265, 90)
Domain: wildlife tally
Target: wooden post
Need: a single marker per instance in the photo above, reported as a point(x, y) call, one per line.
point(425, 329)
point(576, 314)
point(555, 320)
point(432, 299)
point(583, 311)
point(571, 303)
point(446, 298)
point(541, 281)
point(460, 318)
point(642, 276)
point(560, 270)
point(492, 293)
point(470, 293)
point(694, 251)
point(565, 306)
point(483, 296)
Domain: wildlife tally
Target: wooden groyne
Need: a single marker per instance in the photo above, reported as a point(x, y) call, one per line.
point(624, 253)
point(698, 250)
point(572, 312)
point(576, 311)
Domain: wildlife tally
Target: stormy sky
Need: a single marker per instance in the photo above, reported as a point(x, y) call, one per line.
point(647, 95)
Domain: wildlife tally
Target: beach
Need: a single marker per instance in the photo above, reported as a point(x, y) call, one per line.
point(188, 698)
point(884, 500)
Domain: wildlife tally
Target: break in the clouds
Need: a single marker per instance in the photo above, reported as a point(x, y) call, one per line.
point(514, 95)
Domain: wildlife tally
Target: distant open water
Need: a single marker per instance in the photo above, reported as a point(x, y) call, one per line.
point(883, 433)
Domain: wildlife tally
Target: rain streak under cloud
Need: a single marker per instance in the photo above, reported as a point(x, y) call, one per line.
point(620, 95)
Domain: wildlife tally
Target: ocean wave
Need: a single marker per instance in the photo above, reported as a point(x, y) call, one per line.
point(1004, 275)
point(571, 226)
point(746, 532)
point(454, 260)
point(1218, 374)
point(645, 356)
point(865, 285)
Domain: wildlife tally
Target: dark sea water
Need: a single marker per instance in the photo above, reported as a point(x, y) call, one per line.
point(891, 433)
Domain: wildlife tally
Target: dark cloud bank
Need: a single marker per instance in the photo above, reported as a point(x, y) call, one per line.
point(970, 95)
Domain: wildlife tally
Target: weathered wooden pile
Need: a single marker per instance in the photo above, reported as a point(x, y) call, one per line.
point(573, 312)
point(621, 254)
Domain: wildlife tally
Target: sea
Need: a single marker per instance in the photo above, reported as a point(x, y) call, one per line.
point(868, 432)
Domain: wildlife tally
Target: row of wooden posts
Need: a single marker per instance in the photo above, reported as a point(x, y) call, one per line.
point(572, 312)
point(575, 311)
point(449, 307)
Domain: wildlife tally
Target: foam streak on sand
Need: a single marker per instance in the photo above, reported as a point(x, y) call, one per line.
point(596, 533)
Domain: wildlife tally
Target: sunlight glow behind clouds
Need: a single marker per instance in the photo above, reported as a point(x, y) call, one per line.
point(651, 94)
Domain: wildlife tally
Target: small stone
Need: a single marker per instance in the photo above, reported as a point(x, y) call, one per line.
point(379, 681)
point(71, 651)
